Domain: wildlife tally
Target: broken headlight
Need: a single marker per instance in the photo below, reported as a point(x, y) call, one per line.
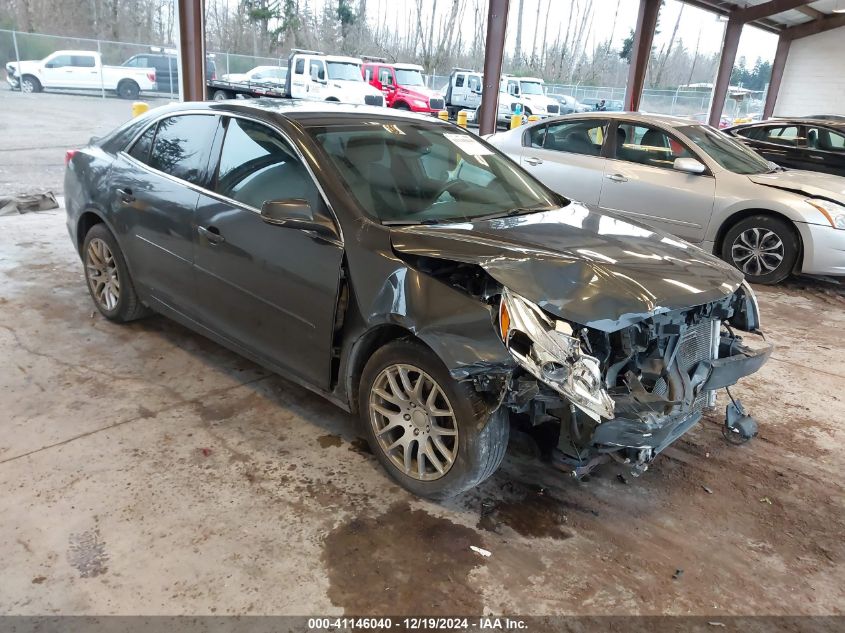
point(746, 309)
point(545, 347)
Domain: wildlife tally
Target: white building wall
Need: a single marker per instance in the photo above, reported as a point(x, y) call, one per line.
point(814, 76)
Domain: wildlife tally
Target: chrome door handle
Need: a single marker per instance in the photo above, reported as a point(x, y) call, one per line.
point(616, 177)
point(212, 234)
point(533, 161)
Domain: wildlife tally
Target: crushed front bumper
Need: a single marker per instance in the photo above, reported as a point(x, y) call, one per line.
point(735, 362)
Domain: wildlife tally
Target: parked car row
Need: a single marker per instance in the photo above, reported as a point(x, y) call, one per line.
point(695, 182)
point(413, 273)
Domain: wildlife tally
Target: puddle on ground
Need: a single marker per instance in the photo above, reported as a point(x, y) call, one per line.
point(534, 516)
point(403, 562)
point(360, 445)
point(325, 441)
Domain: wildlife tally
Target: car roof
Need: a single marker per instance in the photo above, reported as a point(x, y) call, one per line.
point(835, 123)
point(299, 110)
point(641, 117)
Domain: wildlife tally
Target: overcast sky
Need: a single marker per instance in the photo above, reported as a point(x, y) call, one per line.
point(754, 43)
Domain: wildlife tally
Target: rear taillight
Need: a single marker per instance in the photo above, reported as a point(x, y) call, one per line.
point(69, 155)
point(151, 76)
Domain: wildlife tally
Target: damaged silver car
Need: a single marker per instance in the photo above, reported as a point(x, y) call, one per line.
point(411, 273)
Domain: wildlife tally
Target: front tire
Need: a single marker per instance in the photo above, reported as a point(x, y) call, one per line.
point(763, 247)
point(30, 84)
point(435, 436)
point(221, 95)
point(402, 106)
point(107, 277)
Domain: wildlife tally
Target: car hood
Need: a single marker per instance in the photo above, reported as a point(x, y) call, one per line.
point(809, 183)
point(591, 268)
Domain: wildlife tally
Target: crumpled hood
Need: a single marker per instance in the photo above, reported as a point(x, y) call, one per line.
point(591, 268)
point(809, 183)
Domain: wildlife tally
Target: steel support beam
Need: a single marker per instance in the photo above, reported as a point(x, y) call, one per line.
point(733, 31)
point(191, 16)
point(494, 50)
point(641, 52)
point(777, 74)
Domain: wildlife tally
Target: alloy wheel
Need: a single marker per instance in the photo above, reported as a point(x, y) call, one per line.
point(413, 422)
point(103, 278)
point(27, 86)
point(757, 251)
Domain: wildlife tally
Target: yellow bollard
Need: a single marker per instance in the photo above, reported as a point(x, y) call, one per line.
point(443, 115)
point(516, 120)
point(139, 107)
point(462, 118)
point(533, 118)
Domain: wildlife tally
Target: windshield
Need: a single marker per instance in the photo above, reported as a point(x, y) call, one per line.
point(730, 154)
point(531, 88)
point(410, 172)
point(405, 77)
point(347, 71)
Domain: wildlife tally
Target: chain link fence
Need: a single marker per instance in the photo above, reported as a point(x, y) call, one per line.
point(16, 45)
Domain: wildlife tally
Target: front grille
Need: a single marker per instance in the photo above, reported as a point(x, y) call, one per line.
point(436, 103)
point(374, 100)
point(553, 109)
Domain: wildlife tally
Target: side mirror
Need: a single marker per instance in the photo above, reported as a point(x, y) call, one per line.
point(296, 213)
point(689, 166)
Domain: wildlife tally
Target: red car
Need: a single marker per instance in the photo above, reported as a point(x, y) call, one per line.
point(403, 86)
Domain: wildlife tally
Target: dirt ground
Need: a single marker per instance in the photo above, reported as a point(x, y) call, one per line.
point(144, 469)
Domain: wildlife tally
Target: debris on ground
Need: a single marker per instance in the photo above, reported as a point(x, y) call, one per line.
point(766, 500)
point(707, 490)
point(205, 451)
point(478, 550)
point(716, 623)
point(622, 478)
point(28, 203)
point(677, 575)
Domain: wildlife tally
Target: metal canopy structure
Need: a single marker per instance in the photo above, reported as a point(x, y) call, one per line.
point(789, 19)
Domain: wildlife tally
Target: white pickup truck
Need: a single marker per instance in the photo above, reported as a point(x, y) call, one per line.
point(79, 70)
point(318, 77)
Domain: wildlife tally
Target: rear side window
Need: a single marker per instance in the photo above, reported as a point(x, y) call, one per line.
point(257, 165)
point(140, 150)
point(182, 144)
point(82, 61)
point(459, 81)
point(300, 66)
point(576, 137)
point(60, 62)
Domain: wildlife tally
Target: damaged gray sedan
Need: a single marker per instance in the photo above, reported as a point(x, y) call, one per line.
point(411, 273)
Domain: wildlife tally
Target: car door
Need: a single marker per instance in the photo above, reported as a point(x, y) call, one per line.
point(641, 182)
point(567, 157)
point(270, 289)
point(782, 144)
point(154, 192)
point(825, 150)
point(56, 72)
point(85, 71)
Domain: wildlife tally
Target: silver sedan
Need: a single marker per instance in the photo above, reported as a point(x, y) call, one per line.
point(693, 181)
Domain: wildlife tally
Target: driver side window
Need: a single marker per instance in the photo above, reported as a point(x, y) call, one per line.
point(257, 165)
point(385, 77)
point(648, 146)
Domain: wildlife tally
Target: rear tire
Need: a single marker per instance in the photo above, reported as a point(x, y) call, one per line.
point(128, 89)
point(402, 106)
point(763, 247)
point(107, 277)
point(30, 84)
point(221, 95)
point(453, 423)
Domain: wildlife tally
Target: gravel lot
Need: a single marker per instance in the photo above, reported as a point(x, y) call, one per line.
point(36, 129)
point(145, 470)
